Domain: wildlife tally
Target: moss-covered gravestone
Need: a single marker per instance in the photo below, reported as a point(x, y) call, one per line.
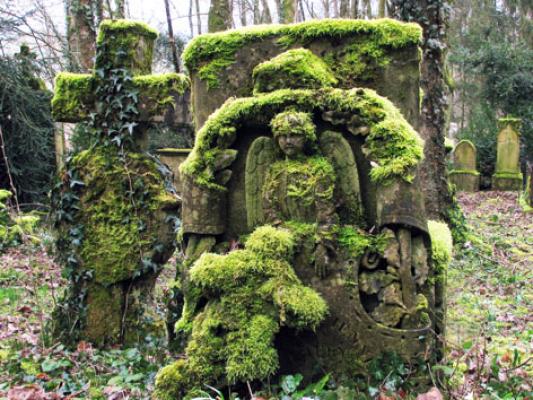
point(507, 175)
point(464, 173)
point(114, 207)
point(338, 264)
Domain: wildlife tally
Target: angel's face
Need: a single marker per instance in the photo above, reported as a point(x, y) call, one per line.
point(291, 145)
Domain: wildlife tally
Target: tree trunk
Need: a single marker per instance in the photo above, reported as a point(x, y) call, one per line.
point(287, 11)
point(431, 15)
point(381, 8)
point(81, 35)
point(266, 17)
point(354, 9)
point(171, 39)
point(120, 9)
point(198, 16)
point(344, 8)
point(219, 18)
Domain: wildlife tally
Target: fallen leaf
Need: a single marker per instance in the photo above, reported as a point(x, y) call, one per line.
point(433, 394)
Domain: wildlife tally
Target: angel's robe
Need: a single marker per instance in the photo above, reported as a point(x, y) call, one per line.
point(300, 190)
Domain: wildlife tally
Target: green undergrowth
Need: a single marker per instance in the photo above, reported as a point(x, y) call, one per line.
point(489, 301)
point(392, 144)
point(15, 228)
point(209, 54)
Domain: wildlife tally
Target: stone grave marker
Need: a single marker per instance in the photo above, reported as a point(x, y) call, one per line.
point(464, 174)
point(507, 175)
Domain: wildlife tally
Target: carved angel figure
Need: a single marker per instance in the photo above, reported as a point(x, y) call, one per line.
point(302, 185)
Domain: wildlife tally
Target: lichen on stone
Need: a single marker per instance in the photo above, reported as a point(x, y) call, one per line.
point(294, 69)
point(391, 143)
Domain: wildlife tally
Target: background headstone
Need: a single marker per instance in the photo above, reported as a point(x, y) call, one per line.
point(464, 173)
point(507, 175)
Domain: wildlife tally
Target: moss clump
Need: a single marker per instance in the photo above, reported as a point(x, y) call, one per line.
point(356, 241)
point(120, 203)
point(294, 69)
point(208, 54)
point(509, 175)
point(157, 90)
point(463, 171)
point(293, 123)
point(441, 245)
point(309, 180)
point(120, 26)
point(125, 44)
point(392, 144)
point(448, 144)
point(73, 96)
point(250, 293)
point(14, 229)
point(515, 123)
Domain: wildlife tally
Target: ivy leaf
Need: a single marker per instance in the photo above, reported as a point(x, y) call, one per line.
point(130, 126)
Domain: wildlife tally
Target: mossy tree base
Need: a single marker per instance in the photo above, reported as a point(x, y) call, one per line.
point(465, 181)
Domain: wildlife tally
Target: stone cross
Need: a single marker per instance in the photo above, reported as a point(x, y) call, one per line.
point(464, 174)
point(75, 95)
point(507, 175)
point(125, 225)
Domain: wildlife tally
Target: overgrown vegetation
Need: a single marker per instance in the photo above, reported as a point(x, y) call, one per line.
point(27, 128)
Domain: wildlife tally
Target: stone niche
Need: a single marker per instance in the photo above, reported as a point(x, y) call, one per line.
point(381, 54)
point(464, 174)
point(507, 175)
point(173, 158)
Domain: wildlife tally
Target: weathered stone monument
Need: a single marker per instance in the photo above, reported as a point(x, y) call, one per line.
point(464, 173)
point(507, 175)
point(114, 208)
point(320, 179)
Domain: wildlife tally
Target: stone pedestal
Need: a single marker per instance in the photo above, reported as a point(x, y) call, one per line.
point(507, 175)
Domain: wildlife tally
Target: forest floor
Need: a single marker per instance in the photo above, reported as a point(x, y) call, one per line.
point(489, 336)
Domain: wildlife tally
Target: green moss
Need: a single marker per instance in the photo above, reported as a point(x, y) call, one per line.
point(314, 179)
point(121, 26)
point(125, 44)
point(525, 196)
point(515, 123)
point(508, 175)
point(115, 232)
point(441, 245)
point(464, 171)
point(293, 123)
point(294, 69)
point(250, 293)
point(157, 90)
point(73, 96)
point(356, 241)
point(15, 228)
point(74, 93)
point(448, 144)
point(392, 145)
point(208, 54)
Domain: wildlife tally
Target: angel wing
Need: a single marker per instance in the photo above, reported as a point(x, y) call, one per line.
point(339, 152)
point(261, 155)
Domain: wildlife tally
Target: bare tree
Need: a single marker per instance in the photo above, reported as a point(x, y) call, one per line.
point(171, 41)
point(287, 11)
point(81, 35)
point(120, 9)
point(198, 17)
point(266, 17)
point(354, 9)
point(219, 17)
point(344, 8)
